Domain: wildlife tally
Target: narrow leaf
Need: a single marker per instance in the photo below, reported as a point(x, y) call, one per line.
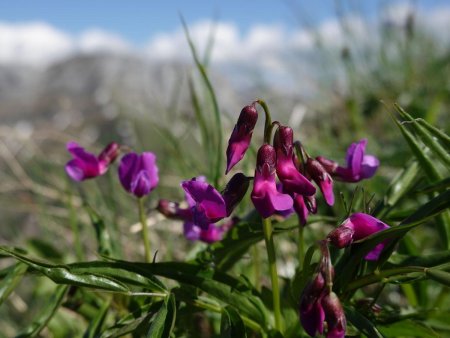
point(9, 283)
point(231, 324)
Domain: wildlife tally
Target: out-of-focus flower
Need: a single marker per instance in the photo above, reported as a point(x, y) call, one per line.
point(322, 178)
point(359, 165)
point(356, 227)
point(86, 165)
point(265, 196)
point(211, 234)
point(241, 136)
point(139, 173)
point(293, 181)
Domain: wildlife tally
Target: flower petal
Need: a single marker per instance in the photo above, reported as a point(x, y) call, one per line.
point(128, 169)
point(141, 184)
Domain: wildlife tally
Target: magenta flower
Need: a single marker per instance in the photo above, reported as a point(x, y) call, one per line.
point(235, 191)
point(206, 203)
point(265, 196)
point(311, 312)
point(322, 178)
point(293, 181)
point(86, 165)
point(241, 136)
point(206, 206)
point(357, 227)
point(139, 173)
point(359, 165)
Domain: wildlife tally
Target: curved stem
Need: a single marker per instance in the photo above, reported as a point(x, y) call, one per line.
point(143, 220)
point(268, 237)
point(268, 126)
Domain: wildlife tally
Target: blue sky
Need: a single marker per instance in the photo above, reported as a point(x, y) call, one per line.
point(43, 31)
point(136, 21)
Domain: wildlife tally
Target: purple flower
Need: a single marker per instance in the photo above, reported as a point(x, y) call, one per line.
point(311, 312)
point(206, 206)
point(293, 181)
point(303, 206)
point(334, 316)
point(235, 191)
point(206, 203)
point(359, 165)
point(265, 196)
point(322, 179)
point(139, 173)
point(241, 136)
point(357, 227)
point(86, 165)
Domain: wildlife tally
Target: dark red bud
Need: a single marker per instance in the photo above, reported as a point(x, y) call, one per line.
point(284, 139)
point(247, 118)
point(329, 165)
point(311, 203)
point(266, 158)
point(110, 153)
point(341, 236)
point(316, 171)
point(168, 208)
point(334, 315)
point(235, 191)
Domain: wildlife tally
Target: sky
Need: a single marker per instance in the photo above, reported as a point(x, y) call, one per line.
point(51, 29)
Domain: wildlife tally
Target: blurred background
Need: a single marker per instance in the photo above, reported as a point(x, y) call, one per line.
point(98, 71)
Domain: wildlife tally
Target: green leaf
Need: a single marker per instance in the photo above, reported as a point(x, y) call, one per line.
point(9, 283)
point(45, 314)
point(164, 320)
point(427, 138)
point(95, 326)
point(102, 234)
point(231, 324)
point(408, 328)
point(440, 135)
point(362, 323)
point(218, 169)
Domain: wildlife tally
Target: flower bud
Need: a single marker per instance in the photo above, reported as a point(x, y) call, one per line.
point(241, 136)
point(334, 316)
point(341, 237)
point(168, 208)
point(329, 165)
point(322, 178)
point(284, 140)
point(110, 153)
point(235, 191)
point(266, 159)
point(311, 312)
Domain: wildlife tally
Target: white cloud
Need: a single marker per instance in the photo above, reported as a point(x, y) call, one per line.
point(32, 43)
point(96, 40)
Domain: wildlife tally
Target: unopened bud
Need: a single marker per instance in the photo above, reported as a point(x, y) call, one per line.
point(284, 140)
point(341, 237)
point(110, 153)
point(266, 158)
point(322, 178)
point(168, 208)
point(334, 316)
point(235, 191)
point(329, 165)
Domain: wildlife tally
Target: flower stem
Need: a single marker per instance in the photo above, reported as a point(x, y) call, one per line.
point(268, 236)
point(300, 245)
point(268, 122)
point(143, 220)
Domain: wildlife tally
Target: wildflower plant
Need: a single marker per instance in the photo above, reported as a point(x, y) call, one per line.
point(358, 268)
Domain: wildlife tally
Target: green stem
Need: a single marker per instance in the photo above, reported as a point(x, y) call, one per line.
point(75, 229)
point(256, 266)
point(268, 237)
point(268, 122)
point(300, 245)
point(143, 220)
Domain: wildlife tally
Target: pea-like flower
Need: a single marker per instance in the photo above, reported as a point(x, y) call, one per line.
point(139, 173)
point(265, 196)
point(293, 181)
point(356, 227)
point(241, 136)
point(322, 178)
point(359, 164)
point(334, 316)
point(206, 206)
point(86, 165)
point(206, 203)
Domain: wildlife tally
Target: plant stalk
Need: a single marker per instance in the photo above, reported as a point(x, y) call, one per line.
point(143, 220)
point(268, 237)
